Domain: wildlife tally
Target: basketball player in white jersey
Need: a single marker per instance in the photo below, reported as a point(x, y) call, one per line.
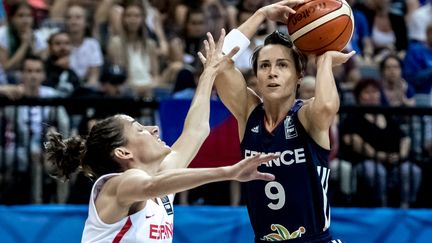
point(131, 201)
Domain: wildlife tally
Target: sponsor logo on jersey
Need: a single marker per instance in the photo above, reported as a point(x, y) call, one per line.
point(160, 232)
point(167, 205)
point(286, 157)
point(290, 130)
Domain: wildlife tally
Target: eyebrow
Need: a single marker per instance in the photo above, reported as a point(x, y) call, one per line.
point(277, 60)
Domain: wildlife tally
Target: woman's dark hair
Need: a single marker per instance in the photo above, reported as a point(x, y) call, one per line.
point(93, 155)
point(388, 57)
point(363, 84)
point(14, 38)
point(278, 38)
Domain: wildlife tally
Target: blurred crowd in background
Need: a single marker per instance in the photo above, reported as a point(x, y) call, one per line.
point(148, 49)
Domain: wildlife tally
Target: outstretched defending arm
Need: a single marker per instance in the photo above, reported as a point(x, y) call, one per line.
point(196, 127)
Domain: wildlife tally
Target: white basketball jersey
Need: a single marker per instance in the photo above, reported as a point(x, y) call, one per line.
point(154, 223)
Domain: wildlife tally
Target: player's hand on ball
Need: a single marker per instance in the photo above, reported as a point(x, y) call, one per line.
point(336, 57)
point(280, 11)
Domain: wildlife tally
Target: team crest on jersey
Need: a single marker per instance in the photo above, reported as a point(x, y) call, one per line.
point(290, 130)
point(167, 205)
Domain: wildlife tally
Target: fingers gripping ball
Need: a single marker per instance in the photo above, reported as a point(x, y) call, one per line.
point(321, 25)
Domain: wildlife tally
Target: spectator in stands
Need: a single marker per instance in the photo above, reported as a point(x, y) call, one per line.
point(17, 39)
point(397, 91)
point(418, 22)
point(382, 33)
point(185, 46)
point(59, 75)
point(26, 126)
point(399, 11)
point(185, 85)
point(134, 49)
point(86, 56)
point(379, 151)
point(136, 186)
point(418, 67)
point(361, 41)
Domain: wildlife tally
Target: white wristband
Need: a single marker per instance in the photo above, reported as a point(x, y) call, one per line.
point(233, 39)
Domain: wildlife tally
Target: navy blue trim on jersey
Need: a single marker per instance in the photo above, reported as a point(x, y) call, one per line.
point(294, 205)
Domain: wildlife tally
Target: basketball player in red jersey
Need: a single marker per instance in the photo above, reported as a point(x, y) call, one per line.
point(294, 207)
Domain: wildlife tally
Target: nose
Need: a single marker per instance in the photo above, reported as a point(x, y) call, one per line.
point(272, 73)
point(154, 130)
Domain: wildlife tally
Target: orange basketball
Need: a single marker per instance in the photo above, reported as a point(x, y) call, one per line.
point(321, 25)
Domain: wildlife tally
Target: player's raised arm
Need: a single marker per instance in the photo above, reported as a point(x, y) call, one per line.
point(196, 127)
point(230, 84)
point(318, 114)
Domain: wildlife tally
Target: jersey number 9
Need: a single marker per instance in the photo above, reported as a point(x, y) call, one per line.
point(277, 194)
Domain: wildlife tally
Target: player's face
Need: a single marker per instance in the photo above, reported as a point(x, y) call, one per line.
point(144, 141)
point(276, 72)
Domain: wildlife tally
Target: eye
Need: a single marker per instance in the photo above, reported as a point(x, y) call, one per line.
point(283, 64)
point(264, 65)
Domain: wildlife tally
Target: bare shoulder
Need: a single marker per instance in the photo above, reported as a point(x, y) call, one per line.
point(110, 188)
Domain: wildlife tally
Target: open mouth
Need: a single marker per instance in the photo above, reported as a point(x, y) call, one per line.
point(273, 85)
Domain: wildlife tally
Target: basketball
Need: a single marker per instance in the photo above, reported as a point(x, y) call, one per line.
point(321, 25)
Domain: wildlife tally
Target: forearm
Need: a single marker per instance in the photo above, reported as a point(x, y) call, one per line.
point(326, 94)
point(177, 180)
point(17, 57)
point(249, 27)
point(198, 115)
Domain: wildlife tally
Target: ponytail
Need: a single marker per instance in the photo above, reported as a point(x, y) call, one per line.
point(63, 155)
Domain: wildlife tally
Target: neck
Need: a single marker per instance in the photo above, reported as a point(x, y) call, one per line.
point(132, 37)
point(276, 111)
point(76, 38)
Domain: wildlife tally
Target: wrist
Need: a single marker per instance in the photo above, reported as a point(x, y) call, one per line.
point(226, 173)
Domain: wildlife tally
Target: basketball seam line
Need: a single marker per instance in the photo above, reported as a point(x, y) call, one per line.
point(315, 25)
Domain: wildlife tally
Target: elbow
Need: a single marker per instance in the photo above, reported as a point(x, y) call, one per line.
point(329, 107)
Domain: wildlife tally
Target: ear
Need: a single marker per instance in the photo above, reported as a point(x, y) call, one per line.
point(123, 153)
